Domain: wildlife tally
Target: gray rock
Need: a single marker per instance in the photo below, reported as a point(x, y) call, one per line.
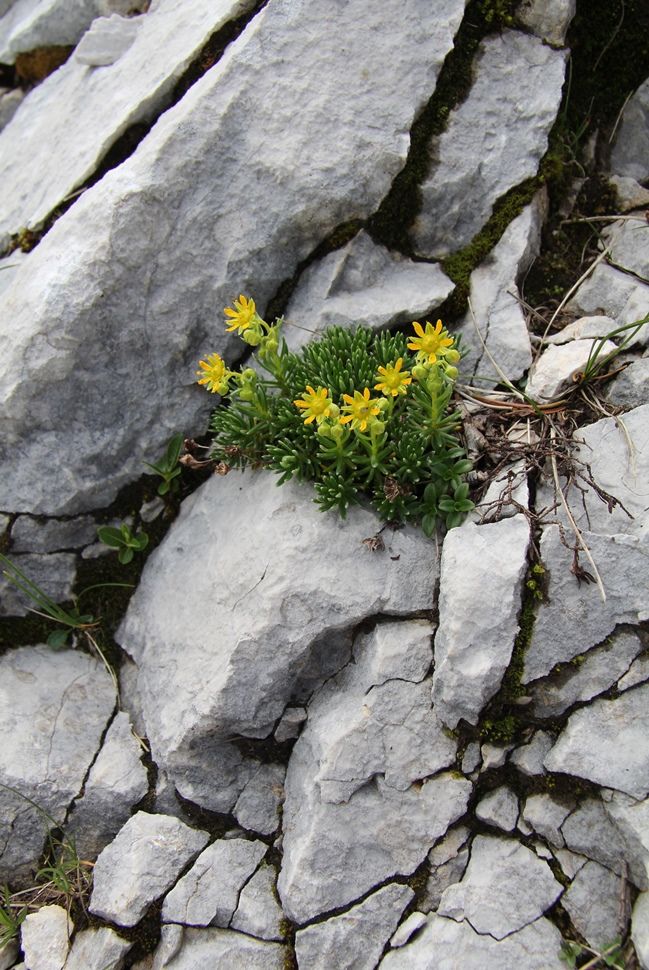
point(354, 940)
point(471, 760)
point(257, 807)
point(107, 39)
point(628, 242)
point(529, 757)
point(129, 695)
point(8, 955)
point(408, 928)
point(640, 929)
point(31, 535)
point(117, 781)
point(191, 949)
point(637, 673)
point(507, 494)
point(629, 389)
point(55, 708)
point(631, 819)
point(441, 878)
point(54, 574)
point(592, 902)
point(9, 265)
point(630, 194)
point(574, 618)
point(45, 938)
point(584, 328)
point(496, 312)
point(272, 609)
point(499, 808)
point(590, 831)
point(139, 866)
point(494, 755)
point(458, 196)
point(209, 892)
point(362, 283)
point(505, 887)
point(290, 724)
point(548, 19)
point(258, 911)
point(631, 148)
point(606, 743)
point(569, 861)
point(445, 944)
point(184, 249)
point(448, 847)
point(10, 101)
point(598, 670)
point(546, 814)
point(43, 23)
point(98, 948)
point(482, 571)
point(614, 293)
point(559, 367)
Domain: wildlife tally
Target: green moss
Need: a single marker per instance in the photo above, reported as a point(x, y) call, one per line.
point(499, 730)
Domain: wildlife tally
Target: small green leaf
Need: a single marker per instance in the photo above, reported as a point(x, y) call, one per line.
point(58, 639)
point(173, 450)
point(125, 556)
point(110, 536)
point(428, 524)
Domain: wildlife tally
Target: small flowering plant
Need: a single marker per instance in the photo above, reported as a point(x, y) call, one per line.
point(362, 415)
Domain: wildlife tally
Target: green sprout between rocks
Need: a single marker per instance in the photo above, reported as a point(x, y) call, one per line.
point(610, 955)
point(316, 416)
point(122, 539)
point(168, 468)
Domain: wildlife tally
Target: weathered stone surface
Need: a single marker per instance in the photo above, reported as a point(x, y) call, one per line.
point(143, 861)
point(99, 948)
point(445, 944)
point(107, 39)
point(252, 617)
point(631, 819)
point(257, 807)
point(546, 814)
point(499, 808)
point(628, 242)
point(640, 929)
point(54, 707)
point(448, 847)
point(510, 69)
point(607, 742)
point(630, 194)
point(10, 101)
point(209, 892)
point(30, 24)
point(506, 495)
point(494, 755)
point(44, 938)
point(362, 283)
point(592, 902)
point(471, 760)
point(558, 367)
point(258, 912)
point(590, 832)
point(482, 570)
point(8, 267)
point(637, 673)
point(574, 618)
point(584, 328)
point(505, 887)
point(569, 861)
point(117, 781)
point(548, 19)
point(441, 877)
point(191, 949)
point(30, 535)
point(290, 724)
point(355, 939)
point(185, 252)
point(8, 955)
point(496, 312)
point(630, 152)
point(599, 670)
point(629, 389)
point(409, 926)
point(614, 293)
point(54, 574)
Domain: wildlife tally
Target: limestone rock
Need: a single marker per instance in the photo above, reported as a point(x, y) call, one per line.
point(258, 911)
point(505, 888)
point(583, 329)
point(606, 742)
point(117, 781)
point(10, 101)
point(8, 955)
point(448, 847)
point(598, 670)
point(630, 194)
point(482, 571)
point(441, 877)
point(590, 831)
point(31, 24)
point(631, 148)
point(98, 948)
point(355, 939)
point(54, 535)
point(614, 293)
point(546, 814)
point(445, 944)
point(570, 862)
point(54, 574)
point(209, 892)
point(640, 929)
point(637, 673)
point(494, 755)
point(631, 819)
point(629, 389)
point(106, 41)
point(471, 760)
point(189, 949)
point(548, 19)
point(185, 252)
point(496, 312)
point(559, 367)
point(499, 808)
point(510, 69)
point(574, 618)
point(143, 861)
point(409, 926)
point(362, 283)
point(250, 618)
point(628, 242)
point(592, 902)
point(54, 707)
point(44, 938)
point(257, 807)
point(290, 724)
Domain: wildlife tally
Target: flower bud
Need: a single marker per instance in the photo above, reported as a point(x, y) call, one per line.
point(419, 372)
point(251, 337)
point(377, 428)
point(333, 411)
point(249, 375)
point(451, 372)
point(246, 393)
point(452, 356)
point(324, 430)
point(337, 432)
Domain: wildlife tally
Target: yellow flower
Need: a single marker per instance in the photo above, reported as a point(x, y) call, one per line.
point(242, 316)
point(361, 408)
point(214, 374)
point(314, 404)
point(392, 380)
point(431, 343)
